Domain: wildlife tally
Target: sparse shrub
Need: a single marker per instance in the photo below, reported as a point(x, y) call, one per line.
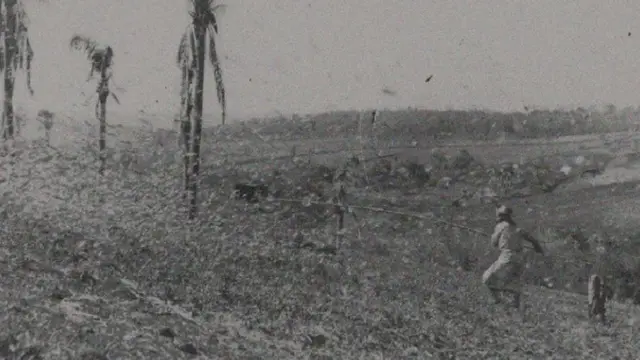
point(575, 238)
point(416, 172)
point(45, 118)
point(463, 160)
point(439, 160)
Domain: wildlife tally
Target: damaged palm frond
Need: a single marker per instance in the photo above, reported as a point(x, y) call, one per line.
point(115, 98)
point(186, 62)
point(186, 47)
point(217, 74)
point(84, 44)
point(206, 10)
point(204, 14)
point(101, 56)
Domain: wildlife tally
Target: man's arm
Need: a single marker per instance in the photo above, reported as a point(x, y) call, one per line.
point(536, 245)
point(495, 237)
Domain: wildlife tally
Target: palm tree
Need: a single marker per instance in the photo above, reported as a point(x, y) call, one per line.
point(101, 58)
point(15, 54)
point(191, 61)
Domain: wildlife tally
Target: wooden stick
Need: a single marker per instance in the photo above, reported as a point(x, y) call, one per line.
point(402, 213)
point(382, 210)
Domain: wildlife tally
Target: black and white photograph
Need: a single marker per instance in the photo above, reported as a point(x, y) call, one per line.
point(319, 180)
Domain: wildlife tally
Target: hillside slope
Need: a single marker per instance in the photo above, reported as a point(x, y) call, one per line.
point(404, 310)
point(109, 267)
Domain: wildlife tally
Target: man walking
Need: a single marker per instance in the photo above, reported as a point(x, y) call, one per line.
point(504, 275)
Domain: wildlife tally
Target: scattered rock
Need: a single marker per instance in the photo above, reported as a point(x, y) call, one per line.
point(323, 173)
point(548, 282)
point(4, 255)
point(93, 355)
point(251, 192)
point(36, 265)
point(188, 348)
point(298, 238)
point(411, 351)
point(6, 346)
point(444, 182)
point(33, 352)
point(327, 249)
point(307, 245)
point(167, 332)
point(61, 294)
point(87, 277)
point(402, 171)
point(486, 195)
point(316, 341)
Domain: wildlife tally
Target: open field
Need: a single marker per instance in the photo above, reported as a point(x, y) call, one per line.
point(110, 267)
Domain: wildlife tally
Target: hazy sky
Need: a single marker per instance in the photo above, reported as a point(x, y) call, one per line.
point(309, 56)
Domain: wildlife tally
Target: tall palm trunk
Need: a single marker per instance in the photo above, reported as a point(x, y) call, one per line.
point(186, 138)
point(103, 94)
point(9, 79)
point(185, 125)
point(200, 32)
point(102, 142)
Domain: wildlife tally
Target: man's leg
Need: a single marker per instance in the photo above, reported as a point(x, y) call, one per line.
point(516, 299)
point(515, 284)
point(495, 295)
point(493, 279)
point(603, 310)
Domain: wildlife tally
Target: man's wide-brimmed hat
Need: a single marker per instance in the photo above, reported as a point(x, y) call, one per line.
point(503, 210)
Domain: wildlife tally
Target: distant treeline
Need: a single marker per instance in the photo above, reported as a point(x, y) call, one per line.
point(418, 124)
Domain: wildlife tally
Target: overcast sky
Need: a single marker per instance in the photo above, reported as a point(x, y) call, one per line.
point(309, 56)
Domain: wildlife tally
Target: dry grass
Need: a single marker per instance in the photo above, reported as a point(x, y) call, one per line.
point(110, 267)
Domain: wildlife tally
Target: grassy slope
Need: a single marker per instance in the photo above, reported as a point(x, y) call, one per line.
point(372, 301)
point(243, 289)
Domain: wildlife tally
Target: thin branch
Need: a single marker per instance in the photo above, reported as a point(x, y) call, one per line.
point(387, 211)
